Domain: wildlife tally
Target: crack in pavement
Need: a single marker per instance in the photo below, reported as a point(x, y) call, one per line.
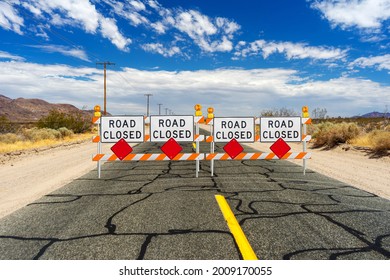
point(245, 202)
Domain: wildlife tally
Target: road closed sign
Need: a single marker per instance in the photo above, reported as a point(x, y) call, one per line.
point(287, 128)
point(240, 128)
point(163, 128)
point(114, 128)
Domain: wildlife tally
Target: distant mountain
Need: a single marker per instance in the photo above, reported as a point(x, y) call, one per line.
point(31, 110)
point(374, 115)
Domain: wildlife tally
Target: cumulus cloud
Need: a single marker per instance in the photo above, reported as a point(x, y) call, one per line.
point(73, 52)
point(9, 18)
point(139, 6)
point(76, 13)
point(209, 34)
point(109, 30)
point(80, 12)
point(160, 49)
point(363, 14)
point(381, 62)
point(289, 49)
point(231, 91)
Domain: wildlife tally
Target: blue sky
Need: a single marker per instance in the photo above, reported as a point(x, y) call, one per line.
point(240, 57)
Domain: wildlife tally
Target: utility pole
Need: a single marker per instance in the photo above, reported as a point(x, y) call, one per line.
point(159, 109)
point(148, 95)
point(105, 63)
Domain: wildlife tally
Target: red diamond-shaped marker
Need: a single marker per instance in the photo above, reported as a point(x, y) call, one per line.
point(280, 148)
point(171, 148)
point(121, 149)
point(233, 148)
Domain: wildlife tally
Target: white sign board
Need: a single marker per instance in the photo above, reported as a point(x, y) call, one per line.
point(163, 128)
point(240, 128)
point(114, 128)
point(287, 128)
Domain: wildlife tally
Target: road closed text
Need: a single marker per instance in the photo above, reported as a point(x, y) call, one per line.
point(130, 128)
point(241, 129)
point(287, 128)
point(162, 128)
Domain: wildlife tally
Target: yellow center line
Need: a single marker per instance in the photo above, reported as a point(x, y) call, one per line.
point(239, 236)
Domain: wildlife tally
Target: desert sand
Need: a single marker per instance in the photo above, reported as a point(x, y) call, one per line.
point(27, 176)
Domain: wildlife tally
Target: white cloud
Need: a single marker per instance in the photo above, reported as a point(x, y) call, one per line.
point(380, 62)
point(233, 92)
point(130, 11)
point(82, 12)
point(289, 49)
point(9, 18)
point(139, 6)
point(159, 27)
point(154, 4)
point(7, 55)
point(211, 35)
point(160, 49)
point(362, 14)
point(137, 19)
point(109, 30)
point(76, 13)
point(78, 53)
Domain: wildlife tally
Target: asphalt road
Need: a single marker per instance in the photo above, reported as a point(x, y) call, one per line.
point(159, 210)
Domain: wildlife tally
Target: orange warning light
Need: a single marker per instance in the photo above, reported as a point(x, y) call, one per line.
point(210, 112)
point(305, 112)
point(97, 112)
point(198, 109)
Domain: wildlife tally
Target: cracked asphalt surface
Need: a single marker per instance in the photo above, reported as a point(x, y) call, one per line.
point(159, 210)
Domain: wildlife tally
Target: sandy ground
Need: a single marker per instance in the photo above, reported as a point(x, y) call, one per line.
point(30, 175)
point(350, 166)
point(27, 176)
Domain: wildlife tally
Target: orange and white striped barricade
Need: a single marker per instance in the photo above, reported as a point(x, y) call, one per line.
point(96, 139)
point(257, 156)
point(149, 157)
point(197, 120)
point(305, 139)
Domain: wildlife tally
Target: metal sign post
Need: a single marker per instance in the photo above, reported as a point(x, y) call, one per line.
point(197, 150)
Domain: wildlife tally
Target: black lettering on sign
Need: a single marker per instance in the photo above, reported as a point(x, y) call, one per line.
point(233, 124)
point(121, 124)
point(171, 123)
point(111, 123)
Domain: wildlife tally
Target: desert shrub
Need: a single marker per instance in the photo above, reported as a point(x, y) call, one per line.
point(36, 134)
point(5, 125)
point(281, 112)
point(75, 122)
point(10, 138)
point(65, 132)
point(329, 134)
point(380, 140)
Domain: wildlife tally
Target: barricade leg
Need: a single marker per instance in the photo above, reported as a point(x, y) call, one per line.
point(99, 165)
point(212, 149)
point(197, 150)
point(304, 149)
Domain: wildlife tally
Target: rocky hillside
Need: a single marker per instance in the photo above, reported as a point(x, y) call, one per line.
point(31, 110)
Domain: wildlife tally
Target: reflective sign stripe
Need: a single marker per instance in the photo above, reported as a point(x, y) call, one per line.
point(148, 157)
